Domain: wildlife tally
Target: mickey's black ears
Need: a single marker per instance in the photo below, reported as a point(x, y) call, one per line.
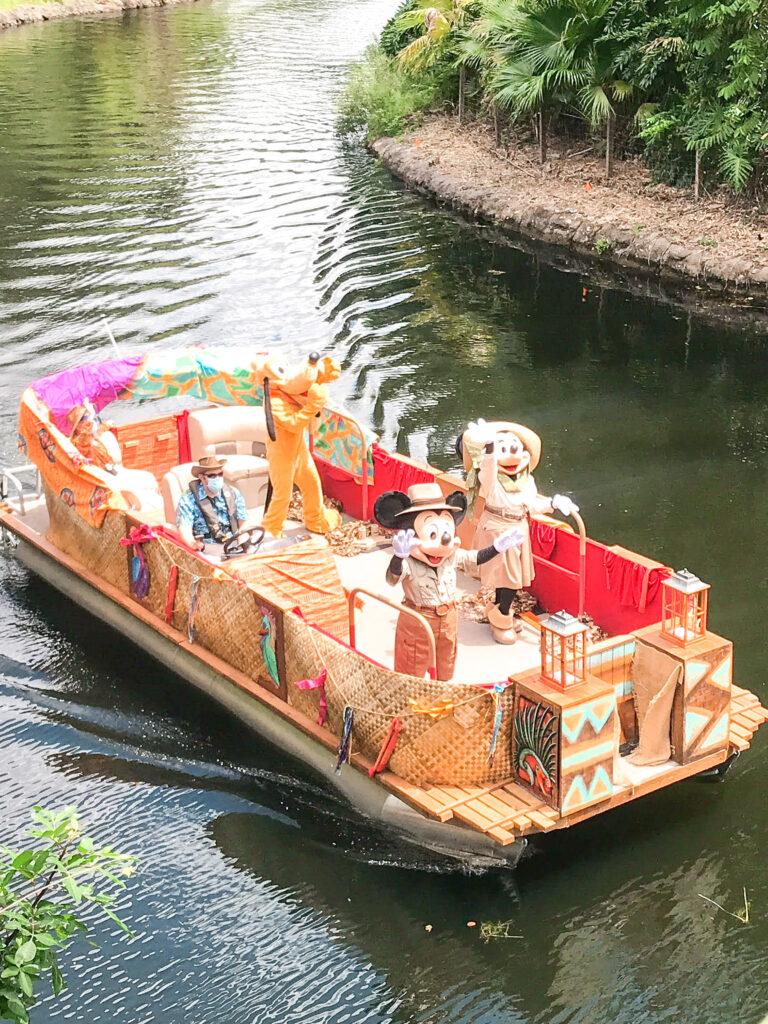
point(387, 507)
point(458, 500)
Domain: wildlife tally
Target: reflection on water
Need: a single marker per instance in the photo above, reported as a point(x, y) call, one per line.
point(177, 170)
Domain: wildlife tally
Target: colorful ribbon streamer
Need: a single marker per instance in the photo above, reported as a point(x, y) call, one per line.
point(346, 737)
point(440, 710)
point(498, 689)
point(387, 747)
point(317, 684)
point(139, 569)
point(192, 609)
point(173, 579)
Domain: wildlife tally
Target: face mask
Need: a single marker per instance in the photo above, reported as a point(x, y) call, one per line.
point(216, 484)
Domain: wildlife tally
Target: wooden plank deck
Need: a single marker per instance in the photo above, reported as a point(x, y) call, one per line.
point(505, 810)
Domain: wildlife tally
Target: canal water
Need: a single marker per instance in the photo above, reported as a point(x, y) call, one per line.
point(177, 171)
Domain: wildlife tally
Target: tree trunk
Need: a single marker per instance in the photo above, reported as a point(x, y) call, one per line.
point(496, 128)
point(542, 126)
point(462, 90)
point(609, 132)
point(697, 177)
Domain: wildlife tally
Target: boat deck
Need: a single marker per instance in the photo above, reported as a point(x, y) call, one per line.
point(479, 658)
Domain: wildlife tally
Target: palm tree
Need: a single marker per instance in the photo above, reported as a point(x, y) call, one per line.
point(548, 55)
point(441, 23)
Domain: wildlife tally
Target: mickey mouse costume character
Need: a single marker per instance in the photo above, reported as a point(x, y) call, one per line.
point(500, 458)
point(426, 557)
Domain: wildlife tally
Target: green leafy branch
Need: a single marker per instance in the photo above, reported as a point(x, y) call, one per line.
point(42, 891)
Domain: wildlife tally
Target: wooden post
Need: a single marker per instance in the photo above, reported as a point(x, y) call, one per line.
point(496, 128)
point(697, 177)
point(462, 90)
point(609, 126)
point(542, 126)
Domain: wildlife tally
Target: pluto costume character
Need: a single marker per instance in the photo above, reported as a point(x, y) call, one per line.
point(291, 402)
point(500, 458)
point(426, 557)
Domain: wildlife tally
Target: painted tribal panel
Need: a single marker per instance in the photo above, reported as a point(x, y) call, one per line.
point(588, 745)
point(700, 716)
point(535, 746)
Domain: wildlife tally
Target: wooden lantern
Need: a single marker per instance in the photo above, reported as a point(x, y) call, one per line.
point(563, 650)
point(684, 600)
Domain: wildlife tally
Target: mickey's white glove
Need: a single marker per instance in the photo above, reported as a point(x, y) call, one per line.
point(479, 433)
point(563, 504)
point(404, 542)
point(512, 538)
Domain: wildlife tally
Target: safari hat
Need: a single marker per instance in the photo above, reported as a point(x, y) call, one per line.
point(529, 439)
point(426, 498)
point(207, 463)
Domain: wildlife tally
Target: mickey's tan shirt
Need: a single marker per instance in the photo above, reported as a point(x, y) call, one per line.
point(432, 586)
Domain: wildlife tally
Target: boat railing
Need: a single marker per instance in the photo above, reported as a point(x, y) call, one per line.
point(12, 489)
point(401, 610)
point(582, 560)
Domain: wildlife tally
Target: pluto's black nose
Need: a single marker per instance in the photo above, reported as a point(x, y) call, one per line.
point(314, 358)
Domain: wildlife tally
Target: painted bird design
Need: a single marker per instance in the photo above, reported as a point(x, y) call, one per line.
point(268, 644)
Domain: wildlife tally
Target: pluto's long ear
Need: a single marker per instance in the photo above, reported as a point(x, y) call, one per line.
point(460, 446)
point(268, 411)
point(458, 500)
point(387, 507)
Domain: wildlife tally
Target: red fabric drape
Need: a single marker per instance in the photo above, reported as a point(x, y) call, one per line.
point(543, 538)
point(633, 584)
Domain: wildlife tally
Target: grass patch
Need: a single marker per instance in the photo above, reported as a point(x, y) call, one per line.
point(380, 99)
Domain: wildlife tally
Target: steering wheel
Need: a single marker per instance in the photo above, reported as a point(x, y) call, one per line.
point(246, 542)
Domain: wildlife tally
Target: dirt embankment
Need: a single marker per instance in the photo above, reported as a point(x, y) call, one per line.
point(25, 14)
point(713, 245)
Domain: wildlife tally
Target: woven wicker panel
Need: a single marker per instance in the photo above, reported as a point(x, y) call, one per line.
point(227, 624)
point(97, 549)
point(452, 750)
point(152, 445)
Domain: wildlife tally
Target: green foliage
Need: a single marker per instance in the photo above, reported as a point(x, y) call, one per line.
point(694, 73)
point(381, 98)
point(440, 27)
point(43, 891)
point(603, 245)
point(394, 37)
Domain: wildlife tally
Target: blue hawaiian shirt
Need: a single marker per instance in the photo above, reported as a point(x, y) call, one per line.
point(188, 511)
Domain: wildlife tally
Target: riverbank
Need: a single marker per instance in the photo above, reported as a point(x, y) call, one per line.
point(26, 14)
point(714, 245)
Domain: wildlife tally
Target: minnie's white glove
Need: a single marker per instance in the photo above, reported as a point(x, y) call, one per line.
point(404, 542)
point(511, 538)
point(479, 433)
point(563, 504)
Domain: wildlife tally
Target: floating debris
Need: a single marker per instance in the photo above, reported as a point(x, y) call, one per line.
point(497, 930)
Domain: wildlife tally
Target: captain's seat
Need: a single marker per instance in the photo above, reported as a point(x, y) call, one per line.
point(236, 433)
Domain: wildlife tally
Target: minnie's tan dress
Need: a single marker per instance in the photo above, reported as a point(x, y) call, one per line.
point(503, 510)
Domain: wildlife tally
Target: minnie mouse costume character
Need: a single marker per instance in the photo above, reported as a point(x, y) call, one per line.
point(500, 458)
point(426, 557)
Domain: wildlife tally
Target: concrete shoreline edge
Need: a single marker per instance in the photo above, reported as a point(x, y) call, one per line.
point(29, 14)
point(682, 271)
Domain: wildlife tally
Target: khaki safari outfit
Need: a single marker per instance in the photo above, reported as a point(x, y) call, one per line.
point(426, 559)
point(430, 591)
point(509, 501)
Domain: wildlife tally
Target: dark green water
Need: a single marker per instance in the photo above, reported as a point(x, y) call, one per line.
point(177, 170)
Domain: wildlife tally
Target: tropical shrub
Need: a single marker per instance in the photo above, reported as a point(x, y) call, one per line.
point(43, 892)
point(381, 98)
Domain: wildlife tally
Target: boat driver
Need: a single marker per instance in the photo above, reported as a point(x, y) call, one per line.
point(210, 510)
